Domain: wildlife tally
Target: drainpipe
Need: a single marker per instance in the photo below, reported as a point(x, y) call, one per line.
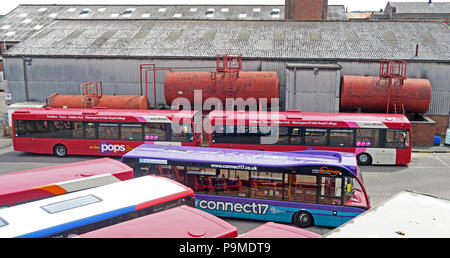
point(26, 61)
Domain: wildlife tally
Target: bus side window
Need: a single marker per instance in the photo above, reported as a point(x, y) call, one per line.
point(367, 137)
point(108, 131)
point(296, 136)
point(21, 128)
point(145, 169)
point(341, 137)
point(302, 188)
point(283, 135)
point(330, 190)
point(232, 182)
point(316, 136)
point(91, 132)
point(182, 134)
point(155, 132)
point(397, 138)
point(267, 185)
point(131, 132)
point(77, 132)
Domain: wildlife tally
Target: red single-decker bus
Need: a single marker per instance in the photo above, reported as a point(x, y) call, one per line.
point(33, 184)
point(99, 131)
point(373, 138)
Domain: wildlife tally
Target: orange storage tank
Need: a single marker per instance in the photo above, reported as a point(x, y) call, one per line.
point(370, 94)
point(108, 101)
point(257, 85)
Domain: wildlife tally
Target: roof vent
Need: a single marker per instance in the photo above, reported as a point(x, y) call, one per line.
point(275, 11)
point(85, 11)
point(128, 12)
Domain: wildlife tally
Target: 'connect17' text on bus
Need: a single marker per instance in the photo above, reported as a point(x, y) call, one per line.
point(310, 188)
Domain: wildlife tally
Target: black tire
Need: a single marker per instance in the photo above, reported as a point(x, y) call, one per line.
point(364, 159)
point(303, 219)
point(60, 150)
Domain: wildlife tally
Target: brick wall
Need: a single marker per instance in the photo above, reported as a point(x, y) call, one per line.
point(423, 133)
point(442, 123)
point(306, 9)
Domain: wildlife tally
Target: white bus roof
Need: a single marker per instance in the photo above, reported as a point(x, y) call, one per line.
point(41, 215)
point(406, 214)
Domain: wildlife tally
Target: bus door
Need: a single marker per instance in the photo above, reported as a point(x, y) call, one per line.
point(330, 193)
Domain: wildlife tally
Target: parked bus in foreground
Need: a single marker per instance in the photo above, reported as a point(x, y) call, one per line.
point(29, 185)
point(178, 222)
point(373, 138)
point(87, 210)
point(406, 214)
point(99, 131)
point(277, 230)
point(311, 188)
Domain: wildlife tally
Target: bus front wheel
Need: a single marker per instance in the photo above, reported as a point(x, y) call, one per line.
point(60, 150)
point(303, 219)
point(364, 159)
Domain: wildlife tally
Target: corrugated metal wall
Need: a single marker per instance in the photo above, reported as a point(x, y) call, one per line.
point(313, 88)
point(44, 76)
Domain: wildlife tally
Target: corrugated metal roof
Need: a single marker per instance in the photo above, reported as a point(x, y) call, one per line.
point(361, 40)
point(25, 20)
point(421, 7)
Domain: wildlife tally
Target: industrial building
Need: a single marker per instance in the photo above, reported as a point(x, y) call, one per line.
point(415, 11)
point(27, 19)
point(310, 57)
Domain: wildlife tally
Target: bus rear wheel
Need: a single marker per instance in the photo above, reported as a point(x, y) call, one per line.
point(364, 159)
point(303, 219)
point(60, 150)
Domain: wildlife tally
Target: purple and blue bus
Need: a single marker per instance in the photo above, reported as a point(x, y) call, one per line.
point(323, 188)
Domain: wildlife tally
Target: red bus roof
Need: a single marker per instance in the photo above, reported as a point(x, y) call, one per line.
point(179, 222)
point(298, 118)
point(103, 114)
point(276, 230)
point(21, 186)
point(319, 116)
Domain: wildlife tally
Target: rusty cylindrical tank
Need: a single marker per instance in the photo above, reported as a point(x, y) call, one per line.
point(108, 101)
point(370, 94)
point(257, 85)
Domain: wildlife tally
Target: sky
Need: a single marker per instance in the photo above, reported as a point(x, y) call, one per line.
point(352, 5)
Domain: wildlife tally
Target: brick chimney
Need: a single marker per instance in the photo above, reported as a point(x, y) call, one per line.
point(306, 9)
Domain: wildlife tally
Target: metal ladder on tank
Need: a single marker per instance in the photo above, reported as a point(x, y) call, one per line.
point(397, 94)
point(394, 71)
point(229, 65)
point(90, 94)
